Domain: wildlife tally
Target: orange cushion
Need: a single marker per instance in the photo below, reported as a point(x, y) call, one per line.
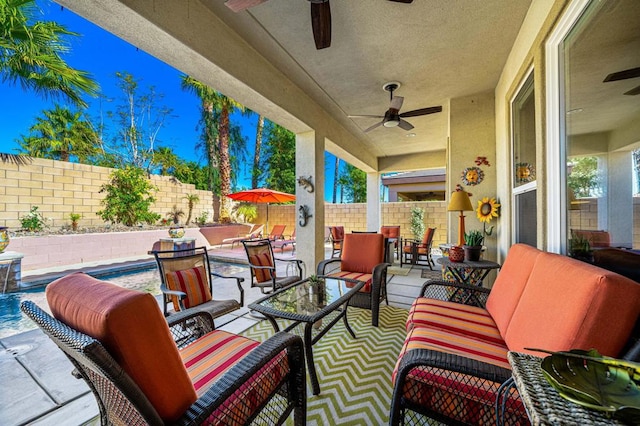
point(509, 285)
point(428, 235)
point(191, 281)
point(355, 276)
point(262, 259)
point(362, 252)
point(337, 232)
point(132, 328)
point(568, 304)
point(390, 231)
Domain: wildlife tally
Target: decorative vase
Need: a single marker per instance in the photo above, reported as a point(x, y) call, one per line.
point(176, 232)
point(4, 238)
point(472, 253)
point(456, 254)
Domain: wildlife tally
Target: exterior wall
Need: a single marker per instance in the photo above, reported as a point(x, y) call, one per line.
point(59, 188)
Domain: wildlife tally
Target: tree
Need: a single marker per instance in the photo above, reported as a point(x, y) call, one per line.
point(60, 134)
point(583, 178)
point(166, 160)
point(140, 120)
point(194, 173)
point(31, 52)
point(256, 170)
point(128, 199)
point(354, 183)
point(280, 158)
point(336, 176)
point(192, 200)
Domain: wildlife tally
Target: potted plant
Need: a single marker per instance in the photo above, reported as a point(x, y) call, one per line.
point(75, 217)
point(176, 230)
point(580, 248)
point(473, 245)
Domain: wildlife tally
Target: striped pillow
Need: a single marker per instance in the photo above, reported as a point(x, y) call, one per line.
point(262, 259)
point(193, 282)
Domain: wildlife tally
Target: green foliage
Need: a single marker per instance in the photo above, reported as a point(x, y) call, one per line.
point(193, 173)
point(75, 217)
point(175, 214)
point(417, 223)
point(202, 218)
point(192, 200)
point(247, 211)
point(354, 184)
point(473, 238)
point(32, 51)
point(128, 198)
point(584, 178)
point(34, 220)
point(280, 158)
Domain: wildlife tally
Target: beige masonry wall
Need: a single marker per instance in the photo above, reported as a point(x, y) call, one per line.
point(59, 188)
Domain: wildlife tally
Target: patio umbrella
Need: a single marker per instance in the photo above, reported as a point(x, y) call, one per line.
point(262, 195)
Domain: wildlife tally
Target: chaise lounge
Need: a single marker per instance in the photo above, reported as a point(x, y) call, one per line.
point(455, 353)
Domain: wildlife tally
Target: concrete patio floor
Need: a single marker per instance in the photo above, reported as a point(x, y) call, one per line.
point(38, 386)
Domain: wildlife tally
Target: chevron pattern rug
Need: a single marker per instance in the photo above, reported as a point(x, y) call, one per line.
point(354, 374)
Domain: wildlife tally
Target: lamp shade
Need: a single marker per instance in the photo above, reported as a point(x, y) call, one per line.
point(460, 202)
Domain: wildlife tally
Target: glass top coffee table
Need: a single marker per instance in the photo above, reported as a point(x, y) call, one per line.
point(309, 303)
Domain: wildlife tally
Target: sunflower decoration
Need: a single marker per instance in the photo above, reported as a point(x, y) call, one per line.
point(486, 211)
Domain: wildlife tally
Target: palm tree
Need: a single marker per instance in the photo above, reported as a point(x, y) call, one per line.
point(192, 200)
point(31, 54)
point(255, 172)
point(216, 109)
point(59, 134)
point(166, 159)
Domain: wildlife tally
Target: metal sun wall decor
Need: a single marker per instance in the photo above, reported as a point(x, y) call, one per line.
point(472, 176)
point(525, 172)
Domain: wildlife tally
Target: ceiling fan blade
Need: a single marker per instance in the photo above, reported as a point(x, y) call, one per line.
point(365, 116)
point(405, 125)
point(423, 111)
point(368, 129)
point(396, 102)
point(321, 24)
point(633, 92)
point(402, 1)
point(623, 75)
point(240, 5)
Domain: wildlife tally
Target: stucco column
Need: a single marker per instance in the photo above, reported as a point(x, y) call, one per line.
point(310, 147)
point(373, 202)
point(618, 219)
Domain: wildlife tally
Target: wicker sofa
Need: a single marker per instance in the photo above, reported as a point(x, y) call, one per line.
point(454, 358)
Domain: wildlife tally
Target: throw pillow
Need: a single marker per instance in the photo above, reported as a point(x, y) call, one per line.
point(193, 282)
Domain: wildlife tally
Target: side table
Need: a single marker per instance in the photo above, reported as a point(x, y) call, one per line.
point(543, 403)
point(469, 272)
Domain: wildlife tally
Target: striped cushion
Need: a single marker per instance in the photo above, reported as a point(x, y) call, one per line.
point(470, 321)
point(193, 282)
point(262, 259)
point(214, 354)
point(355, 276)
point(456, 395)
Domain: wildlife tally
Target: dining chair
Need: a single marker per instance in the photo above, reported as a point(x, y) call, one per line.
point(337, 236)
point(262, 265)
point(415, 251)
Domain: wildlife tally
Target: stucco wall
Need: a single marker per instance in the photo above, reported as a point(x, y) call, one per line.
point(59, 188)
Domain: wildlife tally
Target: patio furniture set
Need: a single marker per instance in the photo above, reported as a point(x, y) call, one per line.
point(148, 369)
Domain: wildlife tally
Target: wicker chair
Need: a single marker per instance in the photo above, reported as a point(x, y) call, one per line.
point(262, 264)
point(179, 268)
point(337, 236)
point(362, 259)
point(414, 251)
point(142, 370)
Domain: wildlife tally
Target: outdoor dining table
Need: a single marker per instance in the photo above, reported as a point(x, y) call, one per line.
point(308, 303)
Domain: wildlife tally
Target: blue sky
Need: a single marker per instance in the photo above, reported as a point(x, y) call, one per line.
point(103, 54)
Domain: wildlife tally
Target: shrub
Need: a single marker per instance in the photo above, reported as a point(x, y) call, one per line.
point(417, 222)
point(175, 214)
point(202, 218)
point(129, 195)
point(33, 221)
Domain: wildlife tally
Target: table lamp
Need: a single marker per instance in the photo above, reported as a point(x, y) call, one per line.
point(460, 202)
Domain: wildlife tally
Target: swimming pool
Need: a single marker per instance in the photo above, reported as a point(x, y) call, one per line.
point(13, 321)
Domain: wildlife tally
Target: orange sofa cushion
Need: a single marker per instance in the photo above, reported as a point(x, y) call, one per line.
point(362, 252)
point(568, 304)
point(509, 285)
point(262, 259)
point(132, 328)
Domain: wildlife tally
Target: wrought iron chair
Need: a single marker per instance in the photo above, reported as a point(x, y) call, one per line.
point(392, 233)
point(186, 281)
point(337, 236)
point(262, 264)
point(414, 252)
point(143, 370)
point(362, 259)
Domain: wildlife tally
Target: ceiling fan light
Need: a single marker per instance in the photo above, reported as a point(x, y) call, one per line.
point(392, 122)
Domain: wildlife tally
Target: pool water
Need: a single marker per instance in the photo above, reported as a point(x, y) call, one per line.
point(13, 321)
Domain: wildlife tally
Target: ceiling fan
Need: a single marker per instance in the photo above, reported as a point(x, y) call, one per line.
point(392, 117)
point(320, 17)
point(623, 75)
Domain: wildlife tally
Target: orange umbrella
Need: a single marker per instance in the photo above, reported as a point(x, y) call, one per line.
point(262, 195)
